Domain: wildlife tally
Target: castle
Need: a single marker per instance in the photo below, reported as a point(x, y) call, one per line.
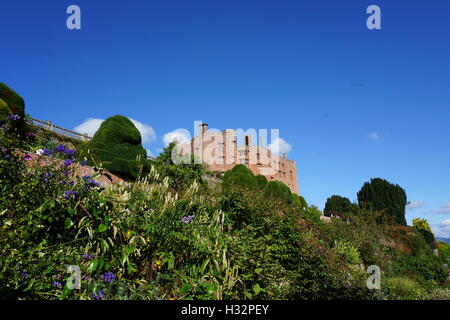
point(220, 152)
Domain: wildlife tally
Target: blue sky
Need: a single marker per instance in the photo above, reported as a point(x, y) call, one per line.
point(352, 103)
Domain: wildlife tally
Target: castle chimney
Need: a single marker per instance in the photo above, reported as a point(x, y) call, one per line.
point(284, 156)
point(204, 127)
point(248, 140)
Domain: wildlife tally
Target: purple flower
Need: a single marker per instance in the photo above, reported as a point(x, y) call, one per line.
point(68, 162)
point(108, 277)
point(187, 219)
point(84, 162)
point(57, 284)
point(100, 295)
point(30, 135)
point(47, 152)
point(13, 117)
point(7, 157)
point(69, 194)
point(24, 275)
point(63, 182)
point(94, 183)
point(69, 152)
point(94, 296)
point(61, 148)
point(27, 157)
point(87, 256)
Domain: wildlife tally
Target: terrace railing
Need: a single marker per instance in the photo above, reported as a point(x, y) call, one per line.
point(48, 125)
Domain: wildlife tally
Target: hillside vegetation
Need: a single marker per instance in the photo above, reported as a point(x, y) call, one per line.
point(168, 235)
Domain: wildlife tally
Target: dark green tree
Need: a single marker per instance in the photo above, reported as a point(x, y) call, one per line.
point(239, 176)
point(117, 146)
point(381, 195)
point(338, 204)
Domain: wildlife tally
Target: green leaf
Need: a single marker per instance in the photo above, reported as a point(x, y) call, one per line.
point(102, 228)
point(248, 295)
point(256, 289)
point(258, 270)
point(186, 288)
point(64, 293)
point(68, 223)
point(92, 265)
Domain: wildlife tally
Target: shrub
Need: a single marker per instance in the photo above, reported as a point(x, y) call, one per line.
point(337, 204)
point(425, 267)
point(239, 176)
point(278, 190)
point(15, 103)
point(380, 195)
point(402, 287)
point(348, 251)
point(423, 227)
point(117, 146)
point(262, 181)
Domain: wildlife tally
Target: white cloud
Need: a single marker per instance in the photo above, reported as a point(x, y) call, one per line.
point(91, 125)
point(374, 135)
point(181, 135)
point(414, 205)
point(147, 132)
point(445, 208)
point(279, 145)
point(443, 229)
point(149, 153)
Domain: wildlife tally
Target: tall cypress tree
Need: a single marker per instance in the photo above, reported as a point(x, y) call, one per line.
point(381, 195)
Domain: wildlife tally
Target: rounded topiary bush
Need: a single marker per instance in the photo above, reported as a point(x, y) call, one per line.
point(278, 190)
point(239, 176)
point(117, 146)
point(4, 110)
point(262, 181)
point(299, 201)
point(12, 103)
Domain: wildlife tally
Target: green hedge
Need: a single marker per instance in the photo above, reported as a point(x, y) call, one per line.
point(116, 145)
point(239, 176)
point(278, 190)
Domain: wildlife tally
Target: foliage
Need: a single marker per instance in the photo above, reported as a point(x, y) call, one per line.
point(14, 103)
point(117, 147)
point(278, 190)
point(338, 205)
point(381, 195)
point(424, 228)
point(168, 236)
point(262, 181)
point(299, 201)
point(444, 252)
point(239, 176)
point(180, 176)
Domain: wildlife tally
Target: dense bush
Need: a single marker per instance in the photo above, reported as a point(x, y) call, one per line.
point(169, 236)
point(15, 103)
point(380, 195)
point(180, 176)
point(262, 181)
point(117, 147)
point(239, 176)
point(423, 227)
point(278, 190)
point(338, 205)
